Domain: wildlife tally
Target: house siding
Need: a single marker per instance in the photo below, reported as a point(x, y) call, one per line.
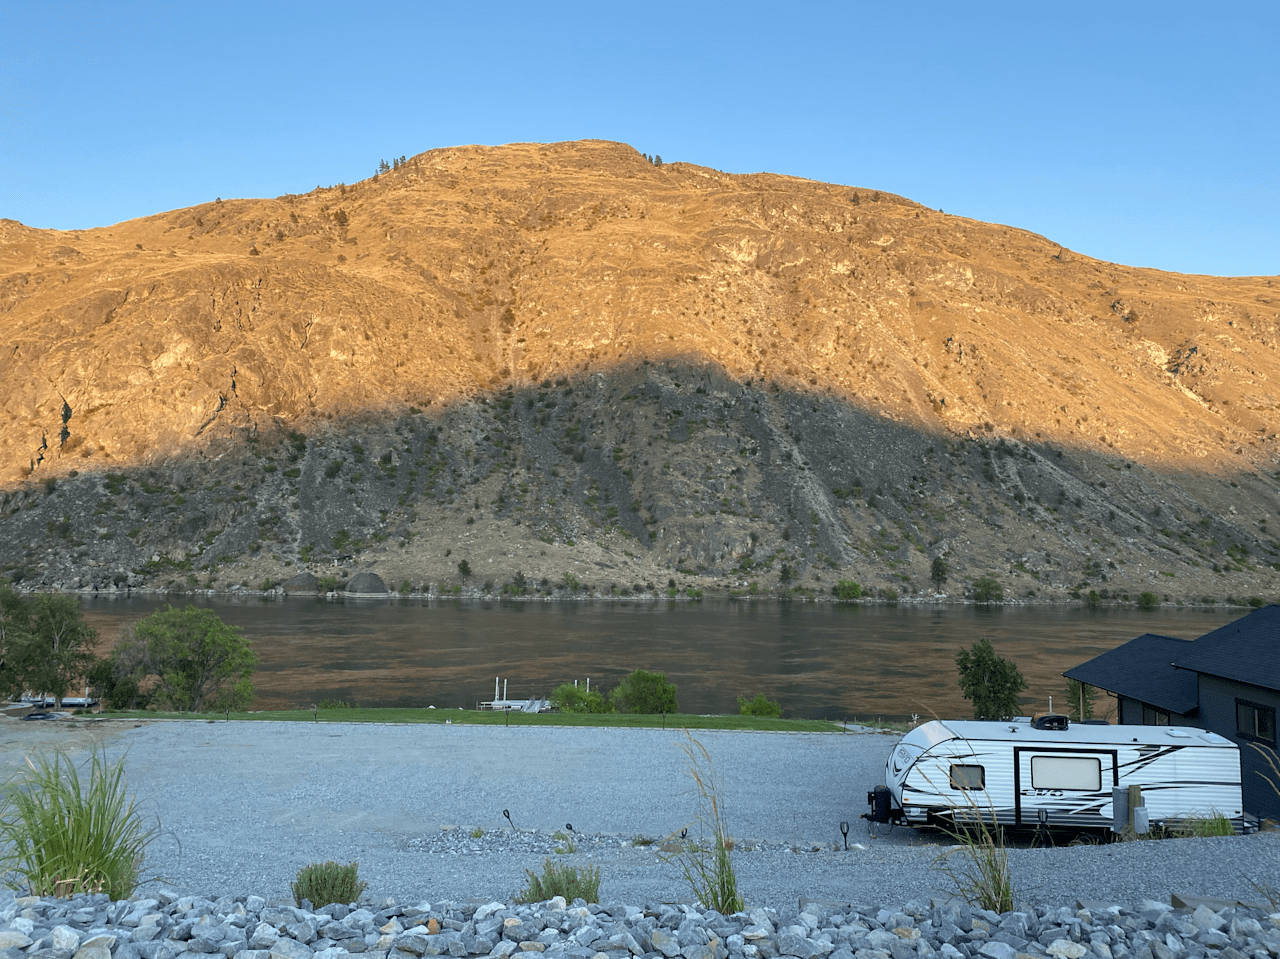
point(1129, 713)
point(1218, 713)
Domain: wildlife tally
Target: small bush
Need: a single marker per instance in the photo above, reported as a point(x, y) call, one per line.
point(63, 837)
point(464, 568)
point(569, 698)
point(323, 883)
point(645, 692)
point(759, 706)
point(559, 879)
point(846, 589)
point(1148, 600)
point(986, 589)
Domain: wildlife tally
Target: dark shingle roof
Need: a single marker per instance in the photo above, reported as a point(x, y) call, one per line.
point(1142, 669)
point(1247, 650)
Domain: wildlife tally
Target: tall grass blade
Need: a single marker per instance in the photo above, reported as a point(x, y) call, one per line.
point(709, 872)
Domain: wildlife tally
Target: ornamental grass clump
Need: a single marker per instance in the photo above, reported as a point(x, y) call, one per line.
point(1198, 827)
point(324, 883)
point(709, 872)
point(1266, 889)
point(63, 836)
point(558, 879)
point(978, 866)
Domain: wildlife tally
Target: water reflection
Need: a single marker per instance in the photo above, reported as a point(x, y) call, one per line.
point(818, 660)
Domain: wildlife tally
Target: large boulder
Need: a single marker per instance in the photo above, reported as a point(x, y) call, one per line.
point(362, 583)
point(303, 582)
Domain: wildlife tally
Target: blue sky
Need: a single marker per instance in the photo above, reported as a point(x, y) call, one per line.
point(1142, 133)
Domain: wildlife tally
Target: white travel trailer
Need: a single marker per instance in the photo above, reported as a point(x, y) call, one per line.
point(1055, 773)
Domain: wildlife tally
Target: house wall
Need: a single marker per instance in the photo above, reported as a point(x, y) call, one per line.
point(1129, 713)
point(1218, 713)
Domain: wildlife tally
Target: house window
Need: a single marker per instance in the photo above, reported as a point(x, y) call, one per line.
point(1066, 772)
point(1154, 717)
point(1255, 722)
point(968, 777)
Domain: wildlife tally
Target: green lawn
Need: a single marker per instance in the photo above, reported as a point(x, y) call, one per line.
point(477, 718)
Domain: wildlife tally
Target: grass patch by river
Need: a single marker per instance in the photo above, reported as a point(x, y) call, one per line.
point(485, 718)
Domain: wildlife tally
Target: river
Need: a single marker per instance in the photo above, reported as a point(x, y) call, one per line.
point(819, 660)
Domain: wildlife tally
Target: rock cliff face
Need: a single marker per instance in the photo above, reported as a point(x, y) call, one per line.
point(542, 356)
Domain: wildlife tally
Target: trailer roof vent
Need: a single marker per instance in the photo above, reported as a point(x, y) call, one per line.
point(1052, 721)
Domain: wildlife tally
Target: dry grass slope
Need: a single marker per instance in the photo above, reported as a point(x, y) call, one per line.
point(471, 268)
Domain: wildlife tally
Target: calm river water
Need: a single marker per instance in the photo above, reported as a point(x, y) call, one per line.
point(818, 660)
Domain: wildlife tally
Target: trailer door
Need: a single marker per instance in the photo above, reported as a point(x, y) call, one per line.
point(1062, 785)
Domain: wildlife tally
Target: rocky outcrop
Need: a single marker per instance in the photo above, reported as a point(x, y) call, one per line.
point(303, 582)
point(366, 584)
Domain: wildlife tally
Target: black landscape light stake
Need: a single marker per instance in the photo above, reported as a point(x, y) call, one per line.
point(844, 831)
point(507, 710)
point(315, 713)
point(507, 813)
point(664, 719)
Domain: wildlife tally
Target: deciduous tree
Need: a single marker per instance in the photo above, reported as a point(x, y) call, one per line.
point(47, 644)
point(990, 682)
point(199, 662)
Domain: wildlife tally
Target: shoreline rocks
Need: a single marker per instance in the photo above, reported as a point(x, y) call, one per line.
point(162, 925)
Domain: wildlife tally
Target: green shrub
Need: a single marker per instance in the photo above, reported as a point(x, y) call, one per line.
point(559, 879)
point(569, 698)
point(759, 706)
point(64, 837)
point(323, 883)
point(645, 692)
point(1147, 600)
point(464, 568)
point(846, 589)
point(1201, 826)
point(986, 589)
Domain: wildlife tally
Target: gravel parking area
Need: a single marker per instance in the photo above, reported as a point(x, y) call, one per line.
point(245, 805)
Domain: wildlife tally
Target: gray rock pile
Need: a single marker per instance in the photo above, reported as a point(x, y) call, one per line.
point(190, 927)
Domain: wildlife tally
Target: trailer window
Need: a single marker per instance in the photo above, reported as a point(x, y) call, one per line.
point(1066, 772)
point(968, 777)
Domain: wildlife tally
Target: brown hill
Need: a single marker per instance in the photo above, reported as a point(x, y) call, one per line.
point(471, 272)
point(469, 268)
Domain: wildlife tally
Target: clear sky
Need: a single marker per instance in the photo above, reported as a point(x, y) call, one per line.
point(1144, 133)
